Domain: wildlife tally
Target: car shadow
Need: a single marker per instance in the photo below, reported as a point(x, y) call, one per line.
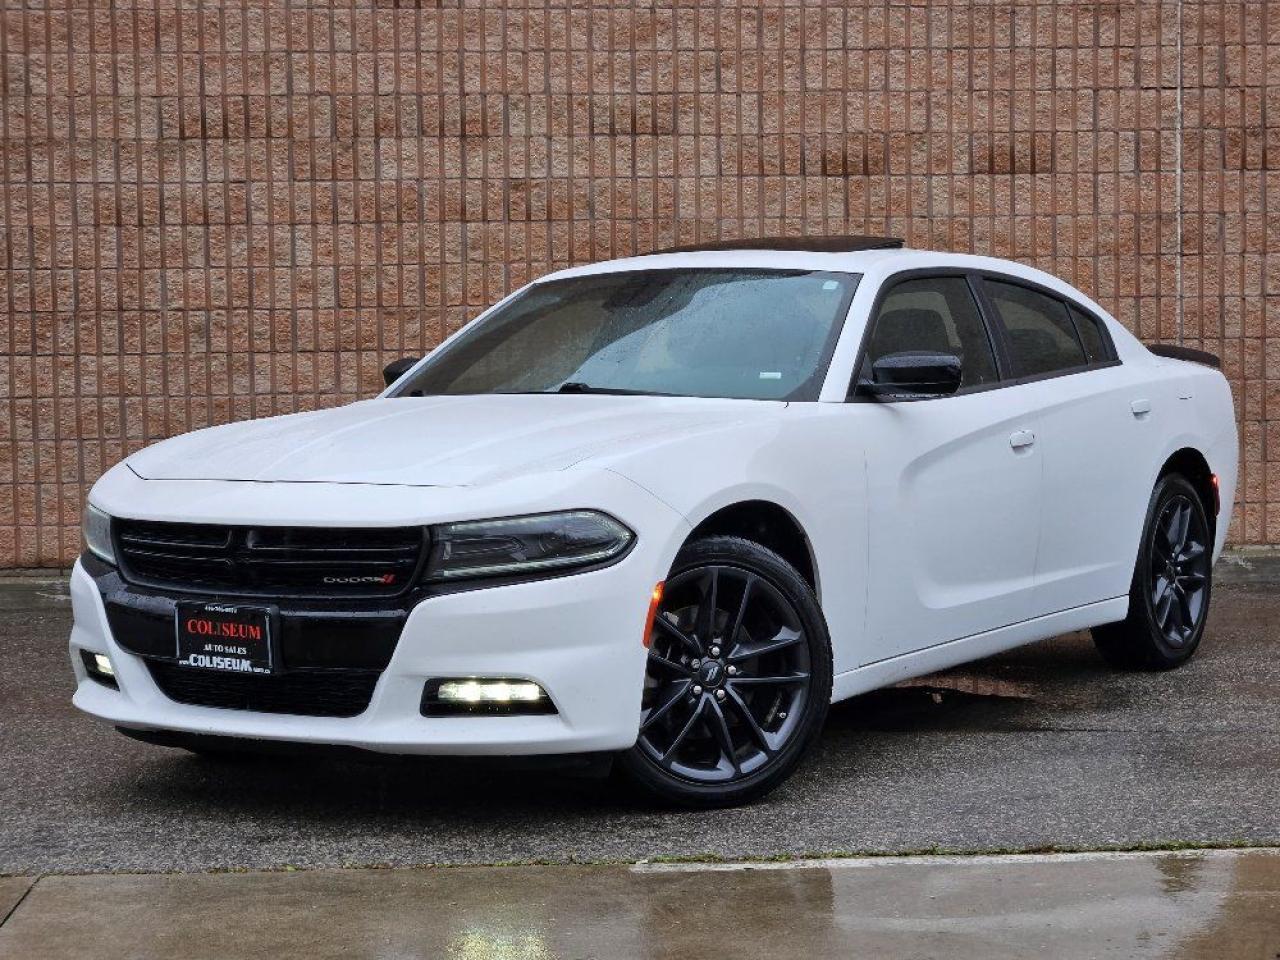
point(337, 785)
point(1023, 689)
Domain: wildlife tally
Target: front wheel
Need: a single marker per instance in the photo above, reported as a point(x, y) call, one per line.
point(738, 680)
point(1172, 582)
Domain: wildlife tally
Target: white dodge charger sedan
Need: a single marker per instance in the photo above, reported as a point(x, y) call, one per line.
point(667, 509)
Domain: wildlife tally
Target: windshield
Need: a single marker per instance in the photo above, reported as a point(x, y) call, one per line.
point(750, 334)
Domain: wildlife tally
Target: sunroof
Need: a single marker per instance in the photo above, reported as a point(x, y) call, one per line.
point(847, 244)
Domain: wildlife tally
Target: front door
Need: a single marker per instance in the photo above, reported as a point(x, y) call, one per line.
point(954, 483)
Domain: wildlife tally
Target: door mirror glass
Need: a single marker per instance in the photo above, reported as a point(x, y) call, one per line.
point(913, 374)
point(396, 369)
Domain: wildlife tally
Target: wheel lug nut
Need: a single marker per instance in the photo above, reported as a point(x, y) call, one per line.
point(732, 671)
point(695, 663)
point(696, 690)
point(715, 651)
point(719, 694)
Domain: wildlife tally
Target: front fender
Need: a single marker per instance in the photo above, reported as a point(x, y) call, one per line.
point(808, 462)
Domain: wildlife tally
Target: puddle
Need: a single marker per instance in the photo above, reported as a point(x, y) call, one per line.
point(973, 684)
point(954, 700)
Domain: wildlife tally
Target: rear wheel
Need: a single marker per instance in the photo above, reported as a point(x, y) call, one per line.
point(1172, 583)
point(739, 676)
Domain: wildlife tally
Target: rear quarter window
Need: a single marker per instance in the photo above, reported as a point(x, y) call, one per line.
point(1091, 335)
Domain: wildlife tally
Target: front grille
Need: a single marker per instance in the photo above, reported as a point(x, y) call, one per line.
point(309, 693)
point(270, 561)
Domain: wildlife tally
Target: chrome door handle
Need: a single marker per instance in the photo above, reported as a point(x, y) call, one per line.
point(1140, 408)
point(1021, 439)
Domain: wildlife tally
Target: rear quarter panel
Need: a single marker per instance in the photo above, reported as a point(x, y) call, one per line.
point(1206, 421)
point(1202, 418)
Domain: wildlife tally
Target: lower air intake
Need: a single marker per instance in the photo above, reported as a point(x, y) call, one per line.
point(307, 693)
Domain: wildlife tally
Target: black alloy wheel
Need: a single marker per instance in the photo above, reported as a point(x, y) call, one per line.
point(738, 678)
point(1179, 570)
point(1172, 584)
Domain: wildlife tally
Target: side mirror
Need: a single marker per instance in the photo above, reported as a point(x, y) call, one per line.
point(396, 369)
point(913, 375)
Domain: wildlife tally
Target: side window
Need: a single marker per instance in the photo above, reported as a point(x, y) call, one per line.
point(935, 314)
point(1095, 344)
point(1042, 338)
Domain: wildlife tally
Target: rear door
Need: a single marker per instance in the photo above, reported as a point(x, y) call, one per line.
point(954, 483)
point(1096, 437)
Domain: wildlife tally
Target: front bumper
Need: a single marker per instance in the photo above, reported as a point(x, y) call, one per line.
point(578, 636)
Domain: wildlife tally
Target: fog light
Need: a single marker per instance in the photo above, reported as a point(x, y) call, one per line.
point(98, 666)
point(484, 696)
point(489, 691)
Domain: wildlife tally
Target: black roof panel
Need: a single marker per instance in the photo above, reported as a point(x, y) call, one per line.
point(806, 244)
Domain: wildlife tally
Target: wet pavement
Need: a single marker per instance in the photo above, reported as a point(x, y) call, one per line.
point(1183, 905)
point(1042, 747)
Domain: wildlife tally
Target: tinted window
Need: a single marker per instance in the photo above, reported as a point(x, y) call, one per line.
point(1095, 344)
point(751, 334)
point(937, 314)
point(1042, 338)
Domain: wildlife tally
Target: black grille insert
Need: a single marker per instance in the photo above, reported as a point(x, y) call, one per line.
point(270, 561)
point(308, 693)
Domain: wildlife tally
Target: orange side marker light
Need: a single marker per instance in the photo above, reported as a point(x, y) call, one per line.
point(655, 601)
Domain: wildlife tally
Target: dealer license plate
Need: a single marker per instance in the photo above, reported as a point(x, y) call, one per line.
point(216, 636)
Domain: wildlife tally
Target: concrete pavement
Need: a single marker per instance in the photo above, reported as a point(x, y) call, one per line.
point(1187, 905)
point(12, 890)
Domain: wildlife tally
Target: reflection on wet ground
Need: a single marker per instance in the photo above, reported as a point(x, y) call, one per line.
point(1175, 905)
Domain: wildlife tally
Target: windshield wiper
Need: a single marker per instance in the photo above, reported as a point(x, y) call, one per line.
point(577, 386)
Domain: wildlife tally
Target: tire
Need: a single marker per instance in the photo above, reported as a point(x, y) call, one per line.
point(733, 727)
point(1171, 587)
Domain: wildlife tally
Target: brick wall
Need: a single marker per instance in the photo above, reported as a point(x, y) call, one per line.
point(212, 212)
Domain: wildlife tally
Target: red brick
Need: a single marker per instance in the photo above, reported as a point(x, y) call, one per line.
point(253, 218)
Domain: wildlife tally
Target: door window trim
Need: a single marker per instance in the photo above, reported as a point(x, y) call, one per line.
point(992, 322)
point(996, 321)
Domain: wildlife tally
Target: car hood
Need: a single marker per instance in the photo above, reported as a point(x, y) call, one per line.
point(435, 441)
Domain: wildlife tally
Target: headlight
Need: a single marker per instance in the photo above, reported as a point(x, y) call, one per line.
point(96, 527)
point(519, 545)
